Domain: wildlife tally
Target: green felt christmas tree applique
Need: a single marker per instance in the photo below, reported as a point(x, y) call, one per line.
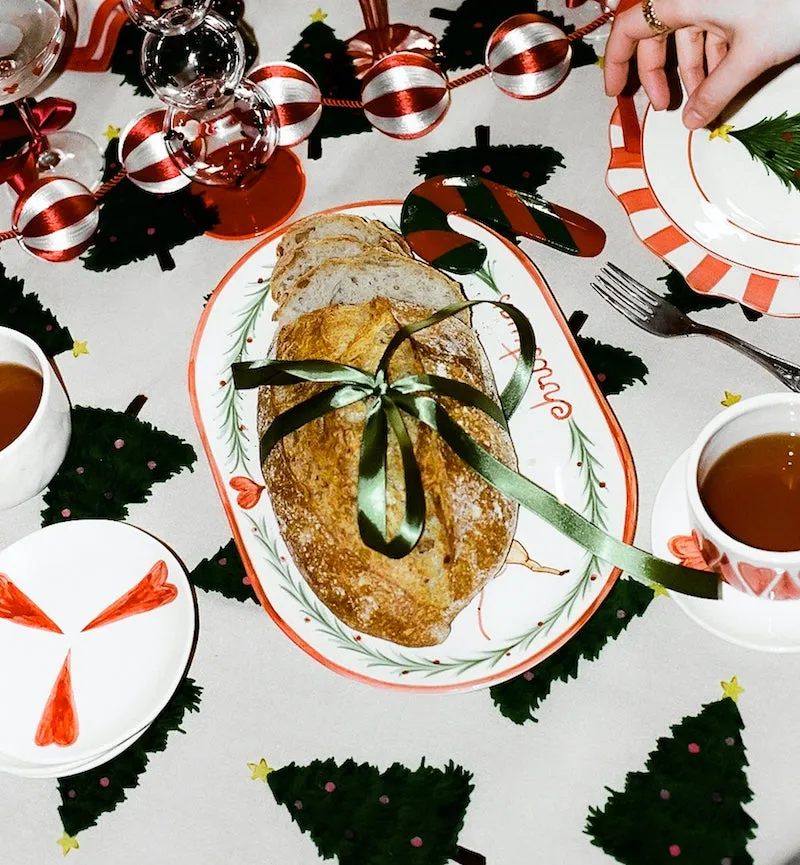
point(687, 300)
point(325, 58)
point(113, 460)
point(687, 805)
point(362, 816)
point(84, 797)
point(135, 224)
point(520, 697)
point(25, 313)
point(520, 166)
point(469, 27)
point(774, 142)
point(224, 572)
point(613, 368)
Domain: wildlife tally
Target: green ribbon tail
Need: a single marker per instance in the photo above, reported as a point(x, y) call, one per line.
point(311, 409)
point(458, 390)
point(372, 483)
point(256, 373)
point(565, 519)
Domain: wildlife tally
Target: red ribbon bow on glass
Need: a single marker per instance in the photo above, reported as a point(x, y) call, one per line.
point(20, 146)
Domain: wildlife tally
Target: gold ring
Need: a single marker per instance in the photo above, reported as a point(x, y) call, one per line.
point(653, 21)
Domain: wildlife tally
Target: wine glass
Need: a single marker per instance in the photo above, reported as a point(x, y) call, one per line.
point(32, 36)
point(166, 17)
point(193, 69)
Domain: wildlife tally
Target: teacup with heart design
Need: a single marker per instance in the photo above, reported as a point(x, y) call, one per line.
point(743, 489)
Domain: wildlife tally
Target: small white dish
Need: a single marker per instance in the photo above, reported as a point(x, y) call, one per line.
point(754, 623)
point(122, 673)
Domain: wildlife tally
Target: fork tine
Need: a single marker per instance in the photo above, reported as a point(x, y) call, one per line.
point(619, 295)
point(642, 289)
point(648, 304)
point(619, 303)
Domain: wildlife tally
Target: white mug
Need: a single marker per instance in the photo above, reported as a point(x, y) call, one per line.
point(759, 573)
point(28, 464)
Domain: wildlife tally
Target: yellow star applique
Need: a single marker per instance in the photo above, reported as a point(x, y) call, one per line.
point(601, 61)
point(259, 771)
point(318, 16)
point(111, 132)
point(732, 689)
point(79, 348)
point(730, 398)
point(720, 131)
point(67, 843)
point(659, 591)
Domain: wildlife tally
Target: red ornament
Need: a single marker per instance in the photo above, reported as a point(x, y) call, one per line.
point(56, 219)
point(296, 96)
point(528, 56)
point(405, 95)
point(144, 155)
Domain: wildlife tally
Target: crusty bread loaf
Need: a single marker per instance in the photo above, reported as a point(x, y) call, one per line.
point(312, 476)
point(303, 256)
point(332, 224)
point(362, 277)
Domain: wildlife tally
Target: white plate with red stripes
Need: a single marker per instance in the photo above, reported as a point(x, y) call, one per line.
point(700, 202)
point(97, 624)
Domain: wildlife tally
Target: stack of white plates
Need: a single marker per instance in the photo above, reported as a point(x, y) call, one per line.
point(97, 626)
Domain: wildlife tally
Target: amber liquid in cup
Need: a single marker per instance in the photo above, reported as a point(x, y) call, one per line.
point(752, 492)
point(20, 395)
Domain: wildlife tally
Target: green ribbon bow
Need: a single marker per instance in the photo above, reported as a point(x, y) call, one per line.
point(414, 395)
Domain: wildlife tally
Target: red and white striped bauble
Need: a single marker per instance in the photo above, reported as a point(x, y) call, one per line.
point(296, 97)
point(405, 95)
point(56, 219)
point(144, 155)
point(528, 56)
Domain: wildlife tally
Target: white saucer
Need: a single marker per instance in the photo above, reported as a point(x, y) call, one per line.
point(123, 672)
point(754, 623)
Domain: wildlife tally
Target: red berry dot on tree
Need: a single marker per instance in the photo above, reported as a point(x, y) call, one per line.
point(416, 841)
point(104, 782)
point(246, 581)
point(664, 794)
point(330, 787)
point(72, 794)
point(151, 464)
point(528, 675)
point(694, 748)
point(602, 485)
point(49, 327)
point(119, 444)
point(621, 614)
point(222, 562)
point(787, 136)
point(593, 577)
point(487, 169)
point(478, 24)
point(674, 850)
point(601, 377)
point(384, 799)
point(66, 513)
point(298, 805)
point(526, 174)
point(80, 470)
point(730, 741)
point(151, 231)
point(113, 238)
point(468, 53)
point(327, 55)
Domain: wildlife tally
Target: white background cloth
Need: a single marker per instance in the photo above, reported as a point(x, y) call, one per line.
point(263, 696)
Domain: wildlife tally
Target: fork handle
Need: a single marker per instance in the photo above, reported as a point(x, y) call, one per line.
point(787, 372)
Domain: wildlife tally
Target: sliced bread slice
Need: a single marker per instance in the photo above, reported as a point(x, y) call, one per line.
point(337, 224)
point(377, 273)
point(302, 257)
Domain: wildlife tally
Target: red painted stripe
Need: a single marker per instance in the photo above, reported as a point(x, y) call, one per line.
point(760, 291)
point(546, 56)
point(521, 219)
point(446, 198)
point(431, 243)
point(707, 274)
point(622, 158)
point(667, 240)
point(636, 200)
point(279, 70)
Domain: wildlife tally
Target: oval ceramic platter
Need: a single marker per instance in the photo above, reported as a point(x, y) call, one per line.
point(566, 439)
point(700, 202)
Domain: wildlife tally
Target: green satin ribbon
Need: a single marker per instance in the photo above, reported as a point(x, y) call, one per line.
point(414, 395)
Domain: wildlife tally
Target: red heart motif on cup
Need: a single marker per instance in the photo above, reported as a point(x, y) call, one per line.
point(758, 579)
point(249, 492)
point(38, 69)
point(785, 589)
point(11, 89)
point(151, 592)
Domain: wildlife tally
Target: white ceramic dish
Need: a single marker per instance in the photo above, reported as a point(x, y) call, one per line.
point(123, 672)
point(755, 623)
point(566, 439)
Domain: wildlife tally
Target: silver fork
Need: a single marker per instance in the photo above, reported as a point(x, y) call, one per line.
point(652, 313)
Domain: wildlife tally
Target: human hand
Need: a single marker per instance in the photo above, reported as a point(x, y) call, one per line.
point(721, 46)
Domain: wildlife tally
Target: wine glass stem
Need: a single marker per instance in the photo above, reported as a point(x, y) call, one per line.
point(45, 157)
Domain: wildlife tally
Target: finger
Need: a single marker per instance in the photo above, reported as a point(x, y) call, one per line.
point(651, 57)
point(734, 71)
point(716, 49)
point(690, 48)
